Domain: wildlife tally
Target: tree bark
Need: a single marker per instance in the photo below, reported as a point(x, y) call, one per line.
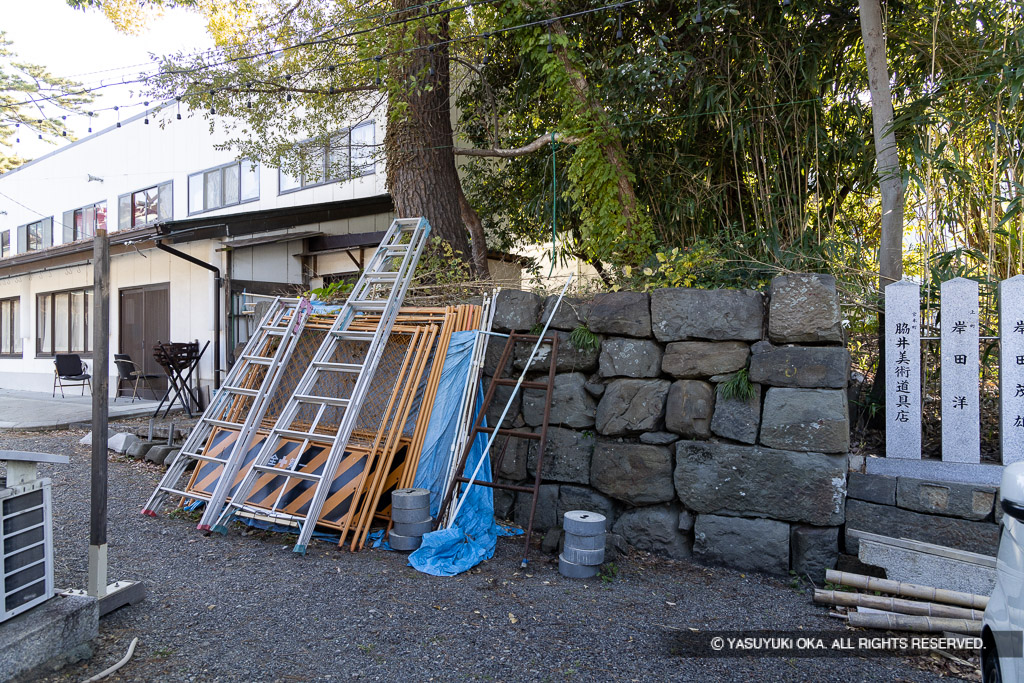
point(421, 172)
point(890, 248)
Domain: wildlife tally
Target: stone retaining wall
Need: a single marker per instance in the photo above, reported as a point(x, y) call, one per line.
point(642, 432)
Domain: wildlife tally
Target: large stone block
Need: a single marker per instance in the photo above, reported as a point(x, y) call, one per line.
point(571, 405)
point(976, 537)
point(545, 516)
point(502, 394)
point(813, 550)
point(688, 408)
point(760, 545)
point(804, 307)
point(717, 314)
point(968, 501)
point(629, 406)
point(735, 418)
point(504, 501)
point(816, 367)
point(584, 498)
point(621, 313)
point(655, 529)
point(691, 360)
point(874, 488)
point(638, 474)
point(570, 359)
point(806, 420)
point(571, 313)
point(624, 357)
point(516, 311)
point(566, 456)
point(515, 453)
point(723, 478)
point(495, 347)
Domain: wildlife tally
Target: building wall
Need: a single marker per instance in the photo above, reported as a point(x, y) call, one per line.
point(137, 156)
point(191, 306)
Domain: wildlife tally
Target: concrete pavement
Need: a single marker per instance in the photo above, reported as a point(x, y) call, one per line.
point(35, 411)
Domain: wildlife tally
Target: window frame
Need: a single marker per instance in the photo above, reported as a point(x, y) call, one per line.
point(7, 327)
point(45, 227)
point(221, 169)
point(7, 250)
point(86, 331)
point(130, 196)
point(70, 227)
point(325, 149)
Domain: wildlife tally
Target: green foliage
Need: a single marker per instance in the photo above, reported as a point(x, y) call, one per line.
point(583, 339)
point(608, 572)
point(335, 292)
point(738, 387)
point(673, 268)
point(21, 84)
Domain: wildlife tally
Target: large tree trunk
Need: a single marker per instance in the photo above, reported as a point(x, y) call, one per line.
point(890, 248)
point(421, 172)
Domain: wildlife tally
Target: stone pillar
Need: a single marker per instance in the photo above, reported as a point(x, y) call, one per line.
point(961, 436)
point(902, 370)
point(1011, 369)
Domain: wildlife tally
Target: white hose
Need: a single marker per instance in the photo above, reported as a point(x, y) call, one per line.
point(106, 672)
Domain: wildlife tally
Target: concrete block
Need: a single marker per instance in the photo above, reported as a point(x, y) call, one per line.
point(48, 633)
point(120, 443)
point(931, 565)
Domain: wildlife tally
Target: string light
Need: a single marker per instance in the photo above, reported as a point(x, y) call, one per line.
point(551, 48)
point(178, 100)
point(377, 60)
point(700, 17)
point(487, 49)
point(618, 33)
point(118, 110)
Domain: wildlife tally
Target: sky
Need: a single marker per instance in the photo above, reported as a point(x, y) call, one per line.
point(85, 47)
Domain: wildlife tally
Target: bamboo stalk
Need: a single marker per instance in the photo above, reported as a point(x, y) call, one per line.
point(907, 590)
point(906, 622)
point(898, 605)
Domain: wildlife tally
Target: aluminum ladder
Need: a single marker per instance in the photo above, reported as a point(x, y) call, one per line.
point(284, 320)
point(380, 290)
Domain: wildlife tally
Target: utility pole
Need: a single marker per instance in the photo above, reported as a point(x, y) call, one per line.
point(97, 586)
point(114, 595)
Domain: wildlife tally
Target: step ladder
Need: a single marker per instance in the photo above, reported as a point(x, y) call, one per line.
point(278, 332)
point(541, 437)
point(379, 291)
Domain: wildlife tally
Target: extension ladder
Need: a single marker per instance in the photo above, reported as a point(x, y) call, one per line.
point(283, 322)
point(379, 291)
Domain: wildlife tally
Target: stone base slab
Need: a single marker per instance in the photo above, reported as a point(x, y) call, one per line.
point(937, 470)
point(929, 565)
point(56, 629)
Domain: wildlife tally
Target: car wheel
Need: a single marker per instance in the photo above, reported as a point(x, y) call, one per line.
point(990, 672)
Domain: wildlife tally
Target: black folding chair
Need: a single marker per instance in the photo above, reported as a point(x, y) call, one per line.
point(131, 372)
point(70, 370)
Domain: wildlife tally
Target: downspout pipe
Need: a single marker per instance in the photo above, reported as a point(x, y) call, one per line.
point(217, 284)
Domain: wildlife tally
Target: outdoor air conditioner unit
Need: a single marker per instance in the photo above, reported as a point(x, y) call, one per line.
point(26, 533)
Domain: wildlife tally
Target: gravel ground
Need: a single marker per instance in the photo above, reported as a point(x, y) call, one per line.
point(245, 608)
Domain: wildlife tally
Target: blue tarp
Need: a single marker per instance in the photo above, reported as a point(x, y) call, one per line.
point(472, 538)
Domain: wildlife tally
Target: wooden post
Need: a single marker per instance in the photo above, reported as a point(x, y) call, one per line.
point(97, 586)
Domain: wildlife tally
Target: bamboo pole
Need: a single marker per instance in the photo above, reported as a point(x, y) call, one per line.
point(898, 605)
point(906, 622)
point(907, 590)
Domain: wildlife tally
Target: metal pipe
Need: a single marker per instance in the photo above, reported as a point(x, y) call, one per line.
point(217, 283)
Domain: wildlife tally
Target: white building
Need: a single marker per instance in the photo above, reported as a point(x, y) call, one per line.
point(159, 180)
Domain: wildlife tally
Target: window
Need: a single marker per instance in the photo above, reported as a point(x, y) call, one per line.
point(5, 244)
point(234, 183)
point(346, 155)
point(62, 322)
point(10, 326)
point(145, 207)
point(84, 222)
point(35, 236)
